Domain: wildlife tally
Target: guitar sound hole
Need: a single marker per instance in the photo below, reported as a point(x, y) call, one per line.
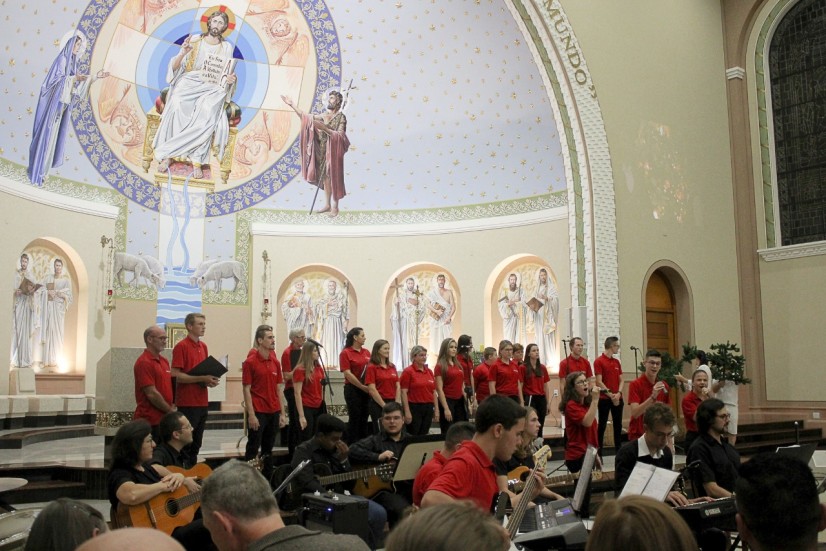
point(172, 508)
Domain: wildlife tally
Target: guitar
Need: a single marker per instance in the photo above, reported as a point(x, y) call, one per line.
point(519, 511)
point(368, 482)
point(516, 479)
point(168, 511)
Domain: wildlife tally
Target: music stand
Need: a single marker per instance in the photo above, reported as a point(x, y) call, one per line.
point(418, 452)
point(290, 477)
point(584, 480)
point(803, 452)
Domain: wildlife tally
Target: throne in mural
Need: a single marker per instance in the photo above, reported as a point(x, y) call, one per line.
point(181, 168)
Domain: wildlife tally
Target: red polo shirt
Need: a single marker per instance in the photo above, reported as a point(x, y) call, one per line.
point(418, 384)
point(453, 382)
point(611, 372)
point(481, 374)
point(263, 375)
point(571, 364)
point(467, 368)
point(311, 396)
point(578, 436)
point(506, 377)
point(151, 371)
point(533, 385)
point(287, 366)
point(638, 392)
point(185, 356)
point(354, 361)
point(425, 476)
point(690, 404)
point(468, 474)
point(385, 379)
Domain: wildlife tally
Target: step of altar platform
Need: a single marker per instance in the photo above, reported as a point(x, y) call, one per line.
point(16, 440)
point(225, 420)
point(754, 438)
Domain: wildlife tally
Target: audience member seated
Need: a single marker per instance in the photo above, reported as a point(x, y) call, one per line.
point(523, 457)
point(63, 525)
point(778, 505)
point(133, 480)
point(386, 446)
point(328, 451)
point(456, 434)
point(240, 513)
point(132, 539)
point(719, 461)
point(439, 528)
point(639, 523)
point(175, 433)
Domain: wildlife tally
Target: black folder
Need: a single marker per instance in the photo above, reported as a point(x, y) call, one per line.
point(210, 366)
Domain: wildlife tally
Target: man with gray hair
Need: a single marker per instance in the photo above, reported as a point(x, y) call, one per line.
point(241, 513)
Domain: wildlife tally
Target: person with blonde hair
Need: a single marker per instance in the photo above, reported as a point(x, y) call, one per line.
point(435, 529)
point(639, 523)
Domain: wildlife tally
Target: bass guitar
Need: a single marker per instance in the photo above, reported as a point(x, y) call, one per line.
point(518, 514)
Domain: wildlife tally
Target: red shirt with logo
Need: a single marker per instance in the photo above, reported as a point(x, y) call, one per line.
point(419, 384)
point(185, 356)
point(263, 375)
point(150, 371)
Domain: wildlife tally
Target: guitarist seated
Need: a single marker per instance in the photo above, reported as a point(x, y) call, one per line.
point(522, 461)
point(385, 446)
point(175, 433)
point(328, 449)
point(134, 481)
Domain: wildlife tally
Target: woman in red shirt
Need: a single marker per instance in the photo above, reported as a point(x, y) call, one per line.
point(504, 377)
point(353, 362)
point(465, 346)
point(382, 381)
point(450, 386)
point(536, 388)
point(419, 397)
point(309, 400)
point(579, 406)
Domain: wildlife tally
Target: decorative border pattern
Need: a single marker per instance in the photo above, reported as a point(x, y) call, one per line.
point(801, 250)
point(144, 192)
point(112, 419)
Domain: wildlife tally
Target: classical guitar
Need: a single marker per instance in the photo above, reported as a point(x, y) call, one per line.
point(168, 511)
point(368, 482)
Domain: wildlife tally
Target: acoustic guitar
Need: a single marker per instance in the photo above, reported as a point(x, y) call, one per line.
point(517, 477)
point(168, 511)
point(368, 482)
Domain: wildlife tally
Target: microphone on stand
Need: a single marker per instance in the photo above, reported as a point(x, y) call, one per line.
point(634, 348)
point(796, 433)
point(315, 342)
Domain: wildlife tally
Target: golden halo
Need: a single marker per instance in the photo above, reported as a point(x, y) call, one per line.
point(211, 11)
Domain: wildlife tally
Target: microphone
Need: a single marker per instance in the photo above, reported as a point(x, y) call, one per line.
point(634, 348)
point(315, 342)
point(692, 465)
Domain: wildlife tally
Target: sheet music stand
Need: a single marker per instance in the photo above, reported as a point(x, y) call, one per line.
point(584, 480)
point(418, 452)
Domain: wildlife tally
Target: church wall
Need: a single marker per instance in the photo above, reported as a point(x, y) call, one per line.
point(661, 88)
point(25, 220)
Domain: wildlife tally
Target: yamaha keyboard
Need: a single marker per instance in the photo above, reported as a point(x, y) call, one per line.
point(710, 514)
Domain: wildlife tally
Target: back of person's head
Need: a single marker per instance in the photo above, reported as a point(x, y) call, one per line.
point(463, 344)
point(325, 424)
point(498, 409)
point(127, 443)
point(448, 527)
point(777, 500)
point(658, 414)
point(639, 523)
point(132, 539)
point(707, 412)
point(239, 490)
point(458, 433)
point(63, 525)
point(170, 423)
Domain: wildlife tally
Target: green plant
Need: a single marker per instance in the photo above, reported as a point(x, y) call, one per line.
point(727, 364)
point(670, 368)
point(689, 353)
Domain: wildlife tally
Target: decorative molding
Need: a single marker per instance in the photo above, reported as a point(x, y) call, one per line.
point(735, 73)
point(802, 250)
point(112, 419)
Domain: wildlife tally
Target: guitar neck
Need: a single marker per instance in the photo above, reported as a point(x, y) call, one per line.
point(344, 477)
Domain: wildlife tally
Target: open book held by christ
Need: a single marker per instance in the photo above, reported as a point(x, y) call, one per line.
point(216, 69)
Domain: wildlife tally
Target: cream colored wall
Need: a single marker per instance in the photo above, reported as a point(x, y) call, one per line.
point(659, 64)
point(25, 220)
point(793, 307)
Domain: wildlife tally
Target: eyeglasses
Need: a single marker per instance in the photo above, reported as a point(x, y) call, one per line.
point(724, 415)
point(186, 427)
point(655, 364)
point(659, 434)
point(582, 382)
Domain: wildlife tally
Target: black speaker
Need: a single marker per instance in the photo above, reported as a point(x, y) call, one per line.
point(336, 513)
point(564, 537)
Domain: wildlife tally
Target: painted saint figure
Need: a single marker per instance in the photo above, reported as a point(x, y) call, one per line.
point(61, 89)
point(297, 310)
point(545, 317)
point(201, 80)
point(441, 306)
point(57, 299)
point(323, 143)
point(513, 310)
point(24, 320)
point(405, 318)
point(332, 318)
